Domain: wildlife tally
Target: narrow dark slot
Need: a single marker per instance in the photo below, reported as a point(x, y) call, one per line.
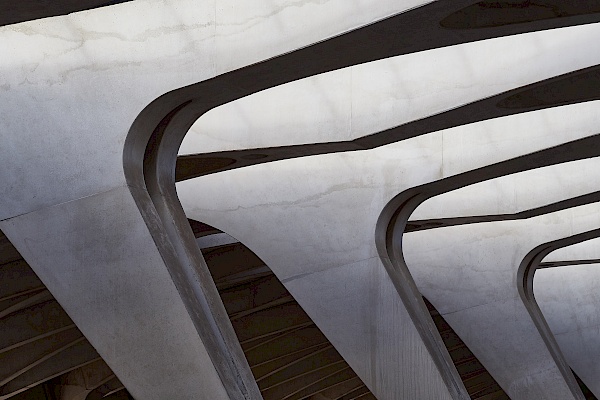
point(586, 391)
point(486, 14)
point(27, 10)
point(479, 383)
point(289, 356)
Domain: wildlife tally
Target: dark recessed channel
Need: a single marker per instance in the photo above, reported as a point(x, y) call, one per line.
point(289, 356)
point(14, 12)
point(487, 14)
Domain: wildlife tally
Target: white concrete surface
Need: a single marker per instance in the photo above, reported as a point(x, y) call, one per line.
point(568, 298)
point(587, 250)
point(73, 217)
point(346, 192)
point(515, 193)
point(71, 88)
point(470, 274)
point(360, 100)
point(297, 216)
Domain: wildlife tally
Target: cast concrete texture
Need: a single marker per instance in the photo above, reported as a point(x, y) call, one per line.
point(298, 213)
point(568, 299)
point(73, 216)
point(103, 250)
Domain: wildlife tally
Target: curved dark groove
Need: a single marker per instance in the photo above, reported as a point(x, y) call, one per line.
point(291, 361)
point(525, 276)
point(487, 14)
point(150, 154)
point(552, 264)
point(425, 224)
point(393, 220)
point(574, 87)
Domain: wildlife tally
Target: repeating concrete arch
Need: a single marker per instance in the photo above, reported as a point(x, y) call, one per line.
point(430, 252)
point(191, 201)
point(559, 280)
point(131, 65)
point(511, 197)
point(180, 111)
point(231, 191)
point(139, 238)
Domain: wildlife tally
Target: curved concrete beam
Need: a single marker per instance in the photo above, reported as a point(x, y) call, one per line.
point(328, 262)
point(492, 289)
point(502, 195)
point(515, 195)
point(566, 298)
point(131, 64)
point(156, 174)
point(148, 52)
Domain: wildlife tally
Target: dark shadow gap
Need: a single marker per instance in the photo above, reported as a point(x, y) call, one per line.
point(426, 224)
point(478, 381)
point(288, 355)
point(553, 264)
point(14, 12)
point(486, 14)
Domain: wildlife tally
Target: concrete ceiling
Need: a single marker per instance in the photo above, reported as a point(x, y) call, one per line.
point(350, 161)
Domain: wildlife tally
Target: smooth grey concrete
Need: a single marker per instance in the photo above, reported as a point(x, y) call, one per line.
point(567, 297)
point(126, 303)
point(469, 273)
point(345, 195)
point(72, 87)
point(74, 219)
point(367, 98)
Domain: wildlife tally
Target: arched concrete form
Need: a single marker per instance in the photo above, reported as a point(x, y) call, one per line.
point(562, 280)
point(414, 113)
point(473, 289)
point(511, 197)
point(289, 356)
point(226, 199)
point(179, 111)
point(131, 64)
point(91, 81)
